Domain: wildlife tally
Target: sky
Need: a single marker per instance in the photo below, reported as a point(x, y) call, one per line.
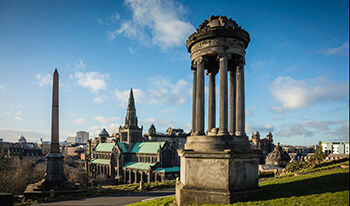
point(296, 72)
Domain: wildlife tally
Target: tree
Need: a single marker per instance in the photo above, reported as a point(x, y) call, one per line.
point(319, 154)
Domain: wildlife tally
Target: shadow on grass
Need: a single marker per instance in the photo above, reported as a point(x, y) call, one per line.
point(332, 162)
point(318, 185)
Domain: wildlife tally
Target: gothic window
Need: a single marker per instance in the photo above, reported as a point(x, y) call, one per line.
point(124, 137)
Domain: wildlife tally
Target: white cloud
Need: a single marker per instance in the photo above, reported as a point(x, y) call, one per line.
point(342, 50)
point(99, 99)
point(158, 123)
point(166, 93)
point(79, 64)
point(79, 121)
point(155, 22)
point(44, 79)
point(2, 88)
point(277, 109)
point(95, 130)
point(94, 81)
point(312, 128)
point(162, 92)
point(249, 111)
point(104, 120)
point(262, 129)
point(18, 113)
point(18, 118)
point(12, 135)
point(168, 110)
point(295, 94)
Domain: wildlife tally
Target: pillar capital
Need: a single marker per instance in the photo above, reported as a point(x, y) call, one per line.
point(211, 71)
point(240, 61)
point(199, 60)
point(223, 55)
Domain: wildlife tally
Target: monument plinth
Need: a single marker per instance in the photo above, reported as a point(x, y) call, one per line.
point(217, 165)
point(54, 177)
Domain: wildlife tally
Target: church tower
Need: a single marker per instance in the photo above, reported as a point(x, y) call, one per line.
point(130, 133)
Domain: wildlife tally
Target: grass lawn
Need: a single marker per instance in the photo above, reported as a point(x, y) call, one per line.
point(321, 187)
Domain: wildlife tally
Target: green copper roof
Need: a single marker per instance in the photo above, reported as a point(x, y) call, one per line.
point(139, 165)
point(169, 169)
point(122, 146)
point(147, 147)
point(105, 147)
point(100, 161)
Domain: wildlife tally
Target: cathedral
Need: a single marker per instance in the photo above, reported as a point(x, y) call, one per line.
point(127, 158)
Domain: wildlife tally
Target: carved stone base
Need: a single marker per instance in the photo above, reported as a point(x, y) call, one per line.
point(217, 177)
point(217, 143)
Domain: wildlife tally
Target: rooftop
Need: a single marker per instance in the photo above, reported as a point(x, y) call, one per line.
point(105, 147)
point(139, 165)
point(147, 147)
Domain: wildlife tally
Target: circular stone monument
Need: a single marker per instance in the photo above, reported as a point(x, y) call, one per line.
point(278, 157)
point(217, 164)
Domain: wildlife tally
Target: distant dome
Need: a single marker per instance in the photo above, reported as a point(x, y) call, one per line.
point(269, 133)
point(104, 132)
point(256, 133)
point(278, 157)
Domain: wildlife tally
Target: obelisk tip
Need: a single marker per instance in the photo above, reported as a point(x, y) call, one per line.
point(56, 71)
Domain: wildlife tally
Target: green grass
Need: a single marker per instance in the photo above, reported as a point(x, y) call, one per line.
point(321, 187)
point(118, 189)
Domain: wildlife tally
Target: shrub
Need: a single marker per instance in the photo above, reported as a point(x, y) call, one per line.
point(299, 165)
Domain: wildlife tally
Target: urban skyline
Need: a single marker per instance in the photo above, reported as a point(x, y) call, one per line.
point(297, 76)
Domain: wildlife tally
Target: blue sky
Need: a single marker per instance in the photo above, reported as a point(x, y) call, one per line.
point(297, 65)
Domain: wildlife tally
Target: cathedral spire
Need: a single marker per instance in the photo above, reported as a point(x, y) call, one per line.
point(131, 105)
point(131, 118)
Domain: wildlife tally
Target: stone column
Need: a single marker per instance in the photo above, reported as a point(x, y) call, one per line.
point(223, 104)
point(124, 173)
point(232, 115)
point(200, 96)
point(211, 102)
point(194, 99)
point(240, 102)
point(135, 181)
point(130, 171)
point(149, 177)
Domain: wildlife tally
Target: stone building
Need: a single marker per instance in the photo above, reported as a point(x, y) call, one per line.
point(25, 152)
point(128, 159)
point(175, 137)
point(264, 145)
point(335, 147)
point(22, 140)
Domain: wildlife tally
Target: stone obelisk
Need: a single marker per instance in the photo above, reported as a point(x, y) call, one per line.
point(54, 169)
point(54, 177)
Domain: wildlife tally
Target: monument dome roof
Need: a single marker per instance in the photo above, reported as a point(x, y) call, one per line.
point(278, 157)
point(218, 26)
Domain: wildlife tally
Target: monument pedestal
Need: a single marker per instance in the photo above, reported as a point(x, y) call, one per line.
point(54, 180)
point(220, 177)
point(54, 169)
